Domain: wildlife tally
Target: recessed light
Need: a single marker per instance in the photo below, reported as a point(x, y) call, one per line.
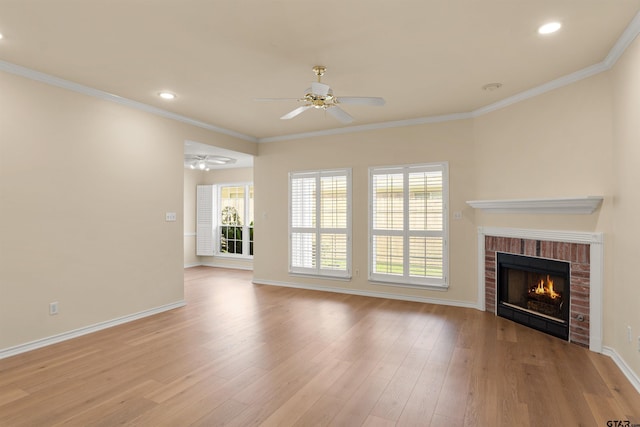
point(549, 28)
point(167, 95)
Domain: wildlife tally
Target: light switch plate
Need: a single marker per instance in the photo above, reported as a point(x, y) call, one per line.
point(170, 216)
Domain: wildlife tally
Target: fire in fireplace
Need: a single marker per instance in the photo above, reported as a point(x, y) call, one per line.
point(534, 292)
point(542, 298)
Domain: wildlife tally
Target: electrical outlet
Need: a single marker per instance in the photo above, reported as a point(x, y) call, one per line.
point(457, 215)
point(53, 308)
point(638, 342)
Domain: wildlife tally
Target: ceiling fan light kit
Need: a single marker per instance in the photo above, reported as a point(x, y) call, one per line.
point(202, 162)
point(320, 96)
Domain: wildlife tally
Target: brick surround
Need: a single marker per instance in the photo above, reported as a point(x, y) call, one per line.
point(578, 254)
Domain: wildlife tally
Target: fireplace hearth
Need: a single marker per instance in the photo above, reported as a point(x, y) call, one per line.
point(534, 292)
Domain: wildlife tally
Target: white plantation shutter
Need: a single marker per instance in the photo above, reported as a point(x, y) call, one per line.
point(408, 224)
point(320, 223)
point(206, 215)
point(303, 221)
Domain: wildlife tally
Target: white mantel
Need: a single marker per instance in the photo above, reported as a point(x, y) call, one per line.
point(584, 205)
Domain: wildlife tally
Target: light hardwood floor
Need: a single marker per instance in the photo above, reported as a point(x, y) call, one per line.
point(242, 354)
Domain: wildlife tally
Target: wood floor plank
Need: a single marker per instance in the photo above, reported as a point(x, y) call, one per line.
point(422, 401)
point(356, 409)
point(373, 421)
point(116, 410)
point(452, 400)
point(9, 395)
point(289, 413)
point(242, 354)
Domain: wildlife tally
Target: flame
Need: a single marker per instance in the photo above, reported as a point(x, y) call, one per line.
point(546, 288)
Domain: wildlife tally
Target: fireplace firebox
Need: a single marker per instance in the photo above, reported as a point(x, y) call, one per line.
point(534, 292)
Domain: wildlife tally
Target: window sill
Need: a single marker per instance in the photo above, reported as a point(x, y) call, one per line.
point(234, 256)
point(321, 276)
point(441, 288)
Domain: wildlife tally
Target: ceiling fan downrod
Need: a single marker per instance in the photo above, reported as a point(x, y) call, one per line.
point(319, 70)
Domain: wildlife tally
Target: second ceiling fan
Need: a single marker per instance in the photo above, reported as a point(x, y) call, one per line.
point(320, 95)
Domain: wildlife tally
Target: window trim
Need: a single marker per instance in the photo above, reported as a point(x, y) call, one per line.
point(405, 280)
point(319, 272)
point(245, 227)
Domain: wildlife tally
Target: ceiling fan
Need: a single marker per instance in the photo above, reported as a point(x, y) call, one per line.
point(320, 95)
point(205, 162)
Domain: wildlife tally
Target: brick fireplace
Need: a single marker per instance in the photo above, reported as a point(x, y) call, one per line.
point(583, 253)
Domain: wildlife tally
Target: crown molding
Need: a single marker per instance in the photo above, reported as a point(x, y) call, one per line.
point(543, 88)
point(628, 36)
point(85, 90)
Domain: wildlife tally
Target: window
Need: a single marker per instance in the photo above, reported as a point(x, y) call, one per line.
point(320, 223)
point(236, 219)
point(408, 224)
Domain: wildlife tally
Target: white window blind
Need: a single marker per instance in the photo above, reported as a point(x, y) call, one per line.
point(408, 224)
point(206, 216)
point(320, 223)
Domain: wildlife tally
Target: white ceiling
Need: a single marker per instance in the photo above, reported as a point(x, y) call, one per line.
point(425, 57)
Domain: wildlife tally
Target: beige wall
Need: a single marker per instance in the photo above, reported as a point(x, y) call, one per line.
point(193, 178)
point(558, 144)
point(450, 141)
point(625, 304)
point(85, 184)
point(84, 187)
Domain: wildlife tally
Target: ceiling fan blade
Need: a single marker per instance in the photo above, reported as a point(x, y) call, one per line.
point(292, 114)
point(340, 114)
point(320, 89)
point(361, 100)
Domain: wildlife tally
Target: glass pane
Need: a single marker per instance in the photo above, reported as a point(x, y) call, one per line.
point(232, 212)
point(303, 252)
point(231, 239)
point(387, 198)
point(333, 252)
point(426, 257)
point(388, 255)
point(333, 202)
point(303, 202)
point(232, 205)
point(425, 201)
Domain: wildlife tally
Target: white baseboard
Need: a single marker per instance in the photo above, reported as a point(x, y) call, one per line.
point(222, 264)
point(43, 342)
point(219, 264)
point(622, 365)
point(364, 293)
